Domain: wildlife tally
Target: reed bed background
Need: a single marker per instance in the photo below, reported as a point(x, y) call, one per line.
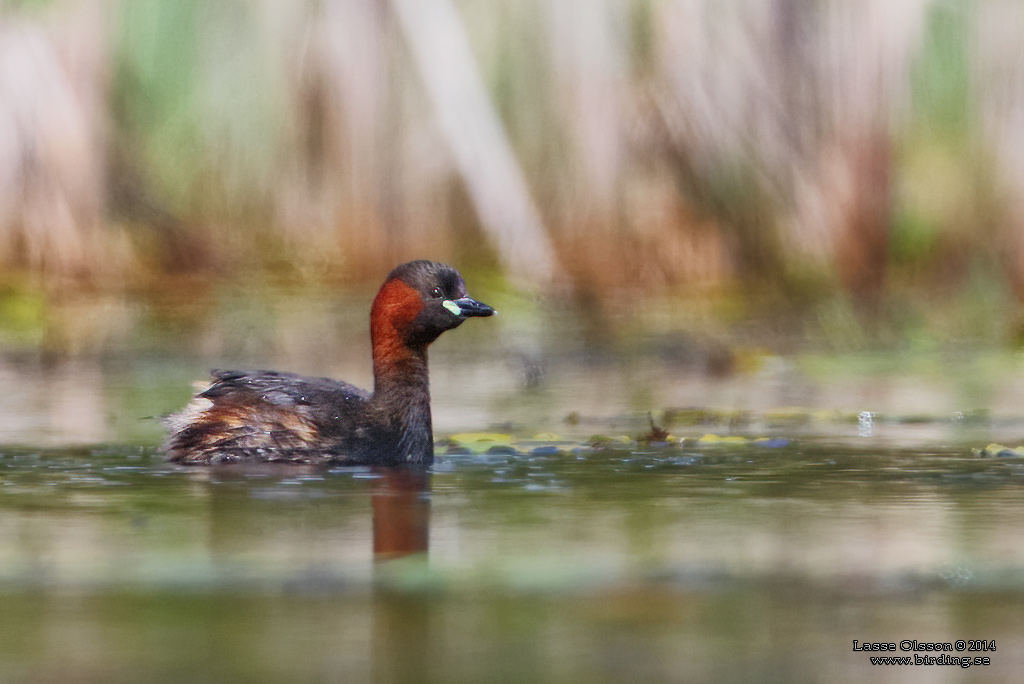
point(788, 148)
point(736, 201)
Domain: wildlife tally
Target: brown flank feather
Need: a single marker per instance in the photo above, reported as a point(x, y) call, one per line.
point(230, 429)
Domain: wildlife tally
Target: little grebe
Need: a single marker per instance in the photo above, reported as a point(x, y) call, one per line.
point(266, 416)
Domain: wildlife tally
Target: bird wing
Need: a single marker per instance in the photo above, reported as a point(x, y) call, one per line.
point(263, 415)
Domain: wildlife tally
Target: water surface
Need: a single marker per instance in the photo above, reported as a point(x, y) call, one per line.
point(547, 562)
point(807, 496)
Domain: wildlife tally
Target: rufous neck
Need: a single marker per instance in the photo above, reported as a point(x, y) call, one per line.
point(401, 388)
point(396, 362)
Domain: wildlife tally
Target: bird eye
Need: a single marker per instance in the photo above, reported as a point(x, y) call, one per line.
point(436, 293)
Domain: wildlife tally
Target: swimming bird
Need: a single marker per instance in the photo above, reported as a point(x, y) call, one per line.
point(270, 416)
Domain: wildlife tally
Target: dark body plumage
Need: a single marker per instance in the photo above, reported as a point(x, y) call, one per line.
point(267, 416)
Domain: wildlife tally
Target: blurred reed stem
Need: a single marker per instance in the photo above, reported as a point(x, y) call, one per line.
point(796, 146)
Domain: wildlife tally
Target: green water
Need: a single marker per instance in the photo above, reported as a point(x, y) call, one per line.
point(551, 563)
point(560, 548)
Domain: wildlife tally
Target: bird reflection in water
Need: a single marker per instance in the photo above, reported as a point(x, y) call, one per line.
point(402, 637)
point(401, 512)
